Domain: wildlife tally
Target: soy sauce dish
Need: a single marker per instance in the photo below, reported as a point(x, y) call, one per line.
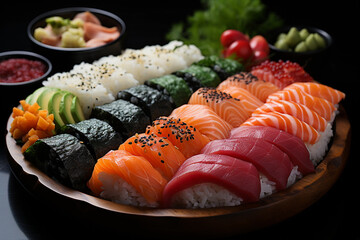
point(64, 58)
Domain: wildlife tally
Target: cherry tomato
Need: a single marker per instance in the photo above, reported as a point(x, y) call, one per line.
point(259, 43)
point(229, 36)
point(260, 55)
point(241, 48)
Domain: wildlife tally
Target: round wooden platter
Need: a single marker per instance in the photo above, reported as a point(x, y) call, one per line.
point(223, 221)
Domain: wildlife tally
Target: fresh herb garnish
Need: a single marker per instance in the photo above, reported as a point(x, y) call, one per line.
point(204, 27)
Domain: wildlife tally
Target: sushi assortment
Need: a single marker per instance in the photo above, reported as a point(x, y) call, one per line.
point(196, 135)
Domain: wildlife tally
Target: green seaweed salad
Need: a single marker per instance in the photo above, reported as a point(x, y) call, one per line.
point(204, 27)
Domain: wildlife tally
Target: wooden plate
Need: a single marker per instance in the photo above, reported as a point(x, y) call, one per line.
point(182, 222)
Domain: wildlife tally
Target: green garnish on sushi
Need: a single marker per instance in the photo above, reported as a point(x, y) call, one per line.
point(224, 67)
point(199, 76)
point(176, 87)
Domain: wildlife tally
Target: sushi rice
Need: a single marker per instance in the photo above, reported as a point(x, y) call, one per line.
point(99, 82)
point(205, 195)
point(318, 150)
point(118, 190)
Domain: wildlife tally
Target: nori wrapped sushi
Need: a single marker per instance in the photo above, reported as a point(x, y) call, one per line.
point(173, 86)
point(125, 117)
point(199, 76)
point(64, 158)
point(153, 102)
point(98, 136)
point(224, 67)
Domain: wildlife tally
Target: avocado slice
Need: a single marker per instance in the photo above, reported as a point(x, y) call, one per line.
point(65, 107)
point(76, 110)
point(54, 108)
point(45, 96)
point(32, 98)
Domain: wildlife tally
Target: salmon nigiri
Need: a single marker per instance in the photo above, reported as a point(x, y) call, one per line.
point(286, 123)
point(302, 112)
point(321, 106)
point(259, 88)
point(124, 178)
point(249, 101)
point(319, 90)
point(159, 151)
point(184, 137)
point(228, 108)
point(204, 119)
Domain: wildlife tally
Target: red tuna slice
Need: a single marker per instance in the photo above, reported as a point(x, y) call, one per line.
point(267, 158)
point(239, 177)
point(293, 146)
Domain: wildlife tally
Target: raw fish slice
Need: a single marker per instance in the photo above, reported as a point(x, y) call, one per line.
point(204, 119)
point(259, 88)
point(302, 112)
point(238, 176)
point(293, 146)
point(186, 138)
point(286, 123)
point(319, 90)
point(248, 100)
point(321, 106)
point(135, 170)
point(267, 158)
point(159, 151)
point(88, 17)
point(228, 108)
point(95, 31)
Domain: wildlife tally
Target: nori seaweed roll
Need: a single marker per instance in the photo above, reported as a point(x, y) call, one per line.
point(224, 67)
point(64, 158)
point(98, 136)
point(125, 117)
point(199, 76)
point(175, 87)
point(153, 102)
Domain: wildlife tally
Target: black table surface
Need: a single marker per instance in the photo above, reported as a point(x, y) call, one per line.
point(334, 216)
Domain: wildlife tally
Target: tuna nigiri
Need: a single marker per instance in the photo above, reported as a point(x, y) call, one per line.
point(293, 146)
point(321, 106)
point(184, 137)
point(248, 100)
point(204, 119)
point(205, 181)
point(266, 157)
point(302, 112)
point(259, 88)
point(159, 151)
point(228, 108)
point(319, 90)
point(124, 178)
point(286, 123)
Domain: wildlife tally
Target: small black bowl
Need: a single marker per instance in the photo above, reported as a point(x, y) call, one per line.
point(12, 93)
point(64, 58)
point(303, 58)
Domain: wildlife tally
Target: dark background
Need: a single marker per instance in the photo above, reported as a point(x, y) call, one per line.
point(334, 216)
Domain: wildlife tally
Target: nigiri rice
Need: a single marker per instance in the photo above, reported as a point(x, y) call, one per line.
point(118, 190)
point(205, 195)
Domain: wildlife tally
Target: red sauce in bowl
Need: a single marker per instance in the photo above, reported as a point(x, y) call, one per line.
point(20, 70)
